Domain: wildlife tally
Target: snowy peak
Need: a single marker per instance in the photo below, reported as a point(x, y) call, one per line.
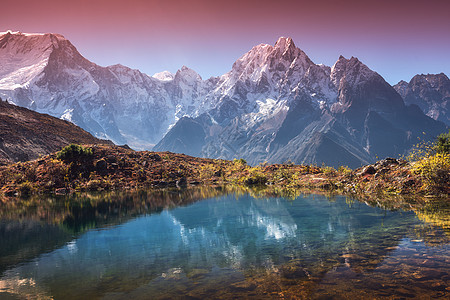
point(271, 62)
point(286, 46)
point(164, 76)
point(45, 72)
point(280, 72)
point(187, 74)
point(284, 43)
point(23, 56)
point(26, 42)
point(430, 92)
point(350, 70)
point(286, 49)
point(273, 101)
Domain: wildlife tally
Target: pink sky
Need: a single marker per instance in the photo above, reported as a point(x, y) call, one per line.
point(396, 38)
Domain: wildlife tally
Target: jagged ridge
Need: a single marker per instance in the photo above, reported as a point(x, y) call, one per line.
point(430, 92)
point(275, 104)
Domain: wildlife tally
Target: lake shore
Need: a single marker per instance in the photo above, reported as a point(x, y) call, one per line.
point(120, 168)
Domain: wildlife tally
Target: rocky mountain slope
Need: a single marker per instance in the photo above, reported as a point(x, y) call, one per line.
point(430, 92)
point(46, 73)
point(25, 134)
point(276, 105)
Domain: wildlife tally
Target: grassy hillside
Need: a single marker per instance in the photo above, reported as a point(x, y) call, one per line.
point(103, 167)
point(25, 134)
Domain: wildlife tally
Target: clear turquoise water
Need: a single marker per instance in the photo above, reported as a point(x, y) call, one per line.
point(229, 247)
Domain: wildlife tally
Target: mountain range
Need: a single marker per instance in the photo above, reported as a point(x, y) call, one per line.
point(274, 105)
point(430, 92)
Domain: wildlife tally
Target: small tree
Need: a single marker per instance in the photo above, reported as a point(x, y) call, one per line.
point(72, 152)
point(443, 143)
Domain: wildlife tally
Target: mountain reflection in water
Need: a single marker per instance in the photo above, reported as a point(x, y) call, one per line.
point(229, 245)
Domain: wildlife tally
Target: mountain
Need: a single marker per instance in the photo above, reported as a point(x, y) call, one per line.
point(46, 73)
point(430, 92)
point(25, 134)
point(277, 105)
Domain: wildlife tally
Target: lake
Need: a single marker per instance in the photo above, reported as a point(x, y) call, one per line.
point(219, 243)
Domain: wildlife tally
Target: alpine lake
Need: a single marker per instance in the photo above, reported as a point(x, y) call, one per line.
point(222, 243)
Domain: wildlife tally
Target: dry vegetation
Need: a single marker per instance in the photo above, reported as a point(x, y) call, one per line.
point(101, 167)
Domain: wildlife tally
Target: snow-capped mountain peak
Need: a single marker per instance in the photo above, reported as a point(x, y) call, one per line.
point(46, 73)
point(284, 43)
point(273, 94)
point(188, 75)
point(351, 70)
point(276, 104)
point(286, 49)
point(278, 58)
point(164, 76)
point(23, 56)
point(430, 92)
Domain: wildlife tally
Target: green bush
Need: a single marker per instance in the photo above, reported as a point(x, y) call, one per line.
point(255, 176)
point(255, 179)
point(73, 152)
point(443, 143)
point(431, 161)
point(240, 161)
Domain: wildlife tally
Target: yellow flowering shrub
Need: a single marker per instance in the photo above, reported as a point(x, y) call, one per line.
point(435, 171)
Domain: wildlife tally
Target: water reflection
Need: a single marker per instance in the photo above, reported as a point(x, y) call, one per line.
point(229, 245)
point(29, 227)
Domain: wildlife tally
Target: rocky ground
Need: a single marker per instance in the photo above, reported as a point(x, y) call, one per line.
point(26, 135)
point(115, 168)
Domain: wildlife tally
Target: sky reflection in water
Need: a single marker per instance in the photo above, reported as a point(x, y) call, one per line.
point(238, 245)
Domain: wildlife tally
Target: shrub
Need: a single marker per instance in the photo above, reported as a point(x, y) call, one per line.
point(328, 170)
point(344, 170)
point(424, 149)
point(255, 176)
point(73, 152)
point(443, 143)
point(240, 161)
point(255, 179)
point(431, 161)
point(435, 171)
point(207, 171)
point(26, 188)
